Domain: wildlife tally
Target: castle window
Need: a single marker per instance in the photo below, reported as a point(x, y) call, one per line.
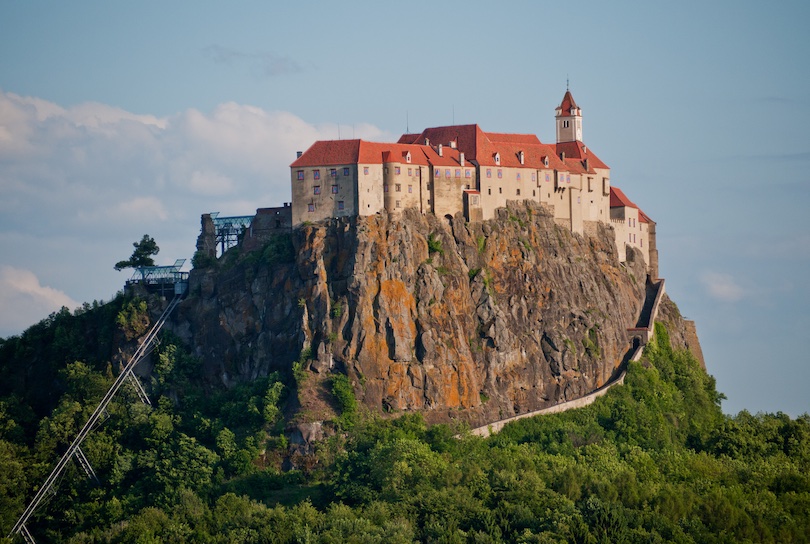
point(447, 173)
point(545, 162)
point(365, 170)
point(534, 176)
point(385, 170)
point(437, 173)
point(300, 175)
point(500, 190)
point(398, 187)
point(345, 171)
point(497, 158)
point(518, 176)
point(489, 190)
point(317, 189)
point(410, 188)
point(518, 192)
point(399, 204)
point(410, 171)
point(310, 207)
point(340, 205)
point(467, 173)
point(333, 172)
point(534, 193)
point(468, 186)
point(334, 189)
point(396, 170)
point(548, 177)
point(489, 172)
point(316, 174)
point(566, 124)
point(500, 173)
point(458, 172)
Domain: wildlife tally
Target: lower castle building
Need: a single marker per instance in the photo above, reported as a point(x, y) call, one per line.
point(463, 169)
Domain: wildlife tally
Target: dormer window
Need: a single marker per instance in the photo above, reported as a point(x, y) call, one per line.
point(545, 162)
point(497, 158)
point(408, 157)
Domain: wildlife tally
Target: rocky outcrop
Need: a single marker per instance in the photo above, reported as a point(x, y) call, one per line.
point(476, 321)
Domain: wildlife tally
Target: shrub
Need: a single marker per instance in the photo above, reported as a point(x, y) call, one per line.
point(434, 245)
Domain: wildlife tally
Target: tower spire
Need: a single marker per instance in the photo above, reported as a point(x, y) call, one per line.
point(569, 119)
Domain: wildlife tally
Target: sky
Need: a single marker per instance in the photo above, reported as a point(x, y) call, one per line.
point(123, 119)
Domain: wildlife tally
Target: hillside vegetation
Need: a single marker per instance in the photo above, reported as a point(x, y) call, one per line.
point(654, 460)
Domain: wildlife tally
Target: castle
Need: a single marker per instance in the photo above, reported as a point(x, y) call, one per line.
point(462, 169)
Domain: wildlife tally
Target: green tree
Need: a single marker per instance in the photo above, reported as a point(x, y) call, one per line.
point(142, 255)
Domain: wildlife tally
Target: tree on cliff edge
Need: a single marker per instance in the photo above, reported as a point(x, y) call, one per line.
point(142, 255)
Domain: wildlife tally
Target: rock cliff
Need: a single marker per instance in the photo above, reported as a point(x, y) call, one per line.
point(475, 321)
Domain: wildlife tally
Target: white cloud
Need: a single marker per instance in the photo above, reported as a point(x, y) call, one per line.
point(722, 286)
point(80, 184)
point(25, 301)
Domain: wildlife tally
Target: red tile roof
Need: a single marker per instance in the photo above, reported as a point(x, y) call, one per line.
point(567, 104)
point(467, 138)
point(339, 152)
point(503, 137)
point(579, 152)
point(619, 200)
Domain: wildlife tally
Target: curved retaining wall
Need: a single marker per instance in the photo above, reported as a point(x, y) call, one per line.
point(646, 330)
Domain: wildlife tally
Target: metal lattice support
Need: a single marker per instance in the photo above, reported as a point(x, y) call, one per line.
point(101, 410)
point(136, 383)
point(229, 229)
point(85, 464)
point(26, 535)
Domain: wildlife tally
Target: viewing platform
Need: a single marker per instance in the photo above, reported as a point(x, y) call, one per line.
point(163, 280)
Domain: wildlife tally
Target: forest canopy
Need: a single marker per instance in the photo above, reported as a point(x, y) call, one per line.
point(654, 460)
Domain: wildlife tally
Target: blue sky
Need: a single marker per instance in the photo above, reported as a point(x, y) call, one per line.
point(123, 119)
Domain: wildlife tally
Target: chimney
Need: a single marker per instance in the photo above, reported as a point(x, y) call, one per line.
point(439, 151)
point(298, 154)
point(461, 158)
point(452, 144)
point(562, 155)
point(522, 157)
point(427, 141)
point(587, 164)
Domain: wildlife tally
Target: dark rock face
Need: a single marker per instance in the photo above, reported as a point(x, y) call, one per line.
point(476, 321)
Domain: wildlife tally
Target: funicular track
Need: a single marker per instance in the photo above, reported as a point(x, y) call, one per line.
point(74, 450)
